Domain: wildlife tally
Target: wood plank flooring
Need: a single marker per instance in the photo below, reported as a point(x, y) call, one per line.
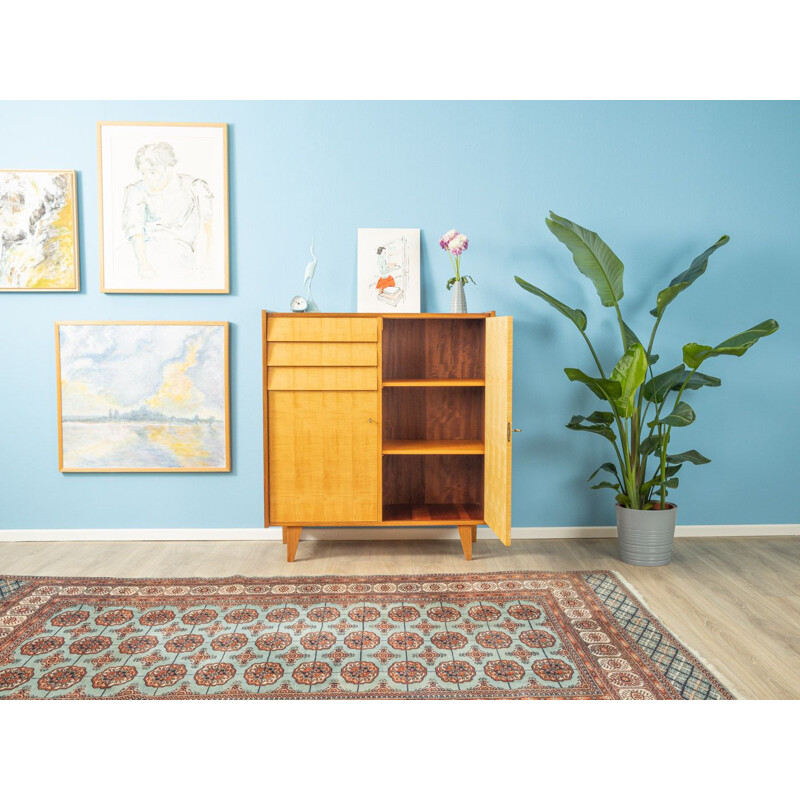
point(734, 601)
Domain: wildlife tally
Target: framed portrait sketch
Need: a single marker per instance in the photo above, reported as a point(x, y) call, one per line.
point(38, 231)
point(143, 397)
point(163, 207)
point(388, 270)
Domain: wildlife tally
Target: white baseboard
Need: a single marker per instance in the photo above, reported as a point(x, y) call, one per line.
point(355, 534)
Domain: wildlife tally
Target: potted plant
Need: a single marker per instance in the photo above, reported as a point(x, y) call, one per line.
point(643, 407)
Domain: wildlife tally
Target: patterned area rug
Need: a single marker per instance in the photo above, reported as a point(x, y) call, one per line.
point(522, 635)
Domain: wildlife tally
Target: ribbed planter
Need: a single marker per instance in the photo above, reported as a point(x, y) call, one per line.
point(458, 301)
point(645, 537)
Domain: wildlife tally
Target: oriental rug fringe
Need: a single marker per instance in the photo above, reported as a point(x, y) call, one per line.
point(509, 635)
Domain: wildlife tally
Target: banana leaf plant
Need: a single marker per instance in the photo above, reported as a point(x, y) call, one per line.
point(643, 407)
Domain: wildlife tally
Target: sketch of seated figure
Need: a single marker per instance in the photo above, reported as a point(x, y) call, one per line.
point(167, 215)
point(392, 264)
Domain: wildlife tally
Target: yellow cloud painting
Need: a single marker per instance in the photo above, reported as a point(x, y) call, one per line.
point(38, 231)
point(143, 397)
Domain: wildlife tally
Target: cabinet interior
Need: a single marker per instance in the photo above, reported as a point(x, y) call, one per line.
point(433, 413)
point(433, 418)
point(418, 349)
point(420, 487)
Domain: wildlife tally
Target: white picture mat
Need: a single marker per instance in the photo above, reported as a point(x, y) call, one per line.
point(202, 154)
point(400, 260)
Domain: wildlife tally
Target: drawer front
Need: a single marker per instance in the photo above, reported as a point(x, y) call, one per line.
point(322, 354)
point(322, 329)
point(322, 378)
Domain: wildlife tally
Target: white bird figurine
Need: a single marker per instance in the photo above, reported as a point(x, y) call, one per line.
point(311, 304)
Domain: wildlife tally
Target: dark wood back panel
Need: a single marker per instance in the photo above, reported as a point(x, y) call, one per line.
point(433, 348)
point(433, 413)
point(432, 479)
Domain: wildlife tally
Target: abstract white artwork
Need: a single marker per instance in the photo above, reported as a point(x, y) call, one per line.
point(38, 231)
point(388, 270)
point(163, 207)
point(143, 396)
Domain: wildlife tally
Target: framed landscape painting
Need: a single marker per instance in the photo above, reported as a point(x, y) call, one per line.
point(143, 396)
point(388, 270)
point(38, 231)
point(163, 207)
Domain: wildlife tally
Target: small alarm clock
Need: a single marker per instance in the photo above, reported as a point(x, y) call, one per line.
point(298, 303)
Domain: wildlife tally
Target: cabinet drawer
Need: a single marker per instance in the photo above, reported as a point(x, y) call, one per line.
point(322, 378)
point(322, 354)
point(322, 329)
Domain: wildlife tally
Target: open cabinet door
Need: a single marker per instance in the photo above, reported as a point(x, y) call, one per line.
point(497, 432)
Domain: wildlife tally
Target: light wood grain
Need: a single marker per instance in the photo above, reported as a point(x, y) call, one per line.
point(497, 433)
point(435, 382)
point(305, 328)
point(465, 533)
point(432, 447)
point(291, 536)
point(322, 461)
point(365, 315)
point(733, 600)
point(322, 354)
point(322, 378)
point(265, 417)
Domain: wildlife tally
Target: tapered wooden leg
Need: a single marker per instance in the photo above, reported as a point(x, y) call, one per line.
point(475, 534)
point(291, 535)
point(466, 533)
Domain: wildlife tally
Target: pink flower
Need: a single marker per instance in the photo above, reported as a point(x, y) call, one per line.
point(445, 240)
point(455, 244)
point(458, 244)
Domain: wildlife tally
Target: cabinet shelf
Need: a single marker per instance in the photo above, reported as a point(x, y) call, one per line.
point(454, 513)
point(432, 447)
point(436, 382)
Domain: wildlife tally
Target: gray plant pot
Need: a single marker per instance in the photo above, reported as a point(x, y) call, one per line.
point(645, 537)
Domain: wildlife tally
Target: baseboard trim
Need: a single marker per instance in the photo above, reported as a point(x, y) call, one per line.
point(356, 534)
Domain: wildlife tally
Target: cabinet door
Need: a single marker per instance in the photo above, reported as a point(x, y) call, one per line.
point(497, 434)
point(324, 452)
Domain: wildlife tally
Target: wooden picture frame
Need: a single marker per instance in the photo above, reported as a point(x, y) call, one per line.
point(143, 396)
point(163, 207)
point(39, 249)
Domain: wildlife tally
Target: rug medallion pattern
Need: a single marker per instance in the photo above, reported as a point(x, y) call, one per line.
point(524, 635)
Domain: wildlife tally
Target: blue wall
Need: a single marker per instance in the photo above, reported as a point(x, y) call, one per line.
point(659, 181)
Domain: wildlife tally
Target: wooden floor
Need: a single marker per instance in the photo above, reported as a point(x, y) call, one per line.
point(734, 601)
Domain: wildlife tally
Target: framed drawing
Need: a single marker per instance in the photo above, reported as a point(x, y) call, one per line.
point(163, 207)
point(388, 270)
point(38, 231)
point(143, 397)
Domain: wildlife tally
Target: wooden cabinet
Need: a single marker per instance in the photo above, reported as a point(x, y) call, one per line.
point(387, 421)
